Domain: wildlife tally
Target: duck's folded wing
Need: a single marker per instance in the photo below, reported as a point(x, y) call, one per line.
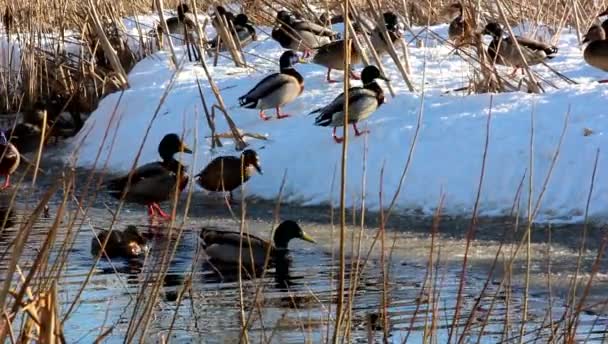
point(355, 94)
point(536, 45)
point(268, 85)
point(314, 28)
point(147, 171)
point(212, 236)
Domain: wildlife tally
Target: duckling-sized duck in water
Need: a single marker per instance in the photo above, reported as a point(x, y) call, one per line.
point(126, 244)
point(362, 102)
point(154, 182)
point(222, 247)
point(596, 51)
point(391, 22)
point(243, 31)
point(503, 50)
point(277, 89)
point(9, 159)
point(300, 35)
point(226, 173)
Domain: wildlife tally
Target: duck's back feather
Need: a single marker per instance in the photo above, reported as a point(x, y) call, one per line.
point(152, 182)
point(223, 246)
point(265, 92)
point(362, 102)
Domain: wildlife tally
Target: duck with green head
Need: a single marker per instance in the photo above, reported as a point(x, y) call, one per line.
point(277, 89)
point(362, 102)
point(9, 159)
point(222, 247)
point(154, 182)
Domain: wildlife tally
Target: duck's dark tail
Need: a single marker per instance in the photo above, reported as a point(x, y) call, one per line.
point(324, 119)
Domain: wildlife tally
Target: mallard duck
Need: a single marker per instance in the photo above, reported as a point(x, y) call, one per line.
point(276, 89)
point(154, 182)
point(127, 244)
point(362, 102)
point(605, 22)
point(503, 51)
point(460, 29)
point(392, 28)
point(9, 159)
point(300, 35)
point(221, 11)
point(331, 55)
point(184, 23)
point(596, 51)
point(243, 31)
point(222, 247)
point(226, 173)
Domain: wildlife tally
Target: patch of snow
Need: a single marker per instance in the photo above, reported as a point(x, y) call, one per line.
point(448, 155)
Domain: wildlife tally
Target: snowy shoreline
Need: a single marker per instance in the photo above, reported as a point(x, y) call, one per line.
point(449, 150)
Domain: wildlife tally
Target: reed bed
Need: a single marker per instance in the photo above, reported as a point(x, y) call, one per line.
point(79, 50)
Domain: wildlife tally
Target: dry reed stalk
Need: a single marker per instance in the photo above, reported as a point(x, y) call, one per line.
point(227, 39)
point(343, 181)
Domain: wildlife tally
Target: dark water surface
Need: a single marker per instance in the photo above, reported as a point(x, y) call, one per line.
point(209, 311)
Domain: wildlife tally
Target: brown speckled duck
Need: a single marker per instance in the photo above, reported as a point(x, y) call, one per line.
point(331, 55)
point(226, 173)
point(392, 27)
point(503, 51)
point(9, 159)
point(299, 35)
point(460, 29)
point(126, 244)
point(596, 51)
point(154, 182)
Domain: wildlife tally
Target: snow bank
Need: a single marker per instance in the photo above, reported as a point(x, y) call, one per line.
point(449, 150)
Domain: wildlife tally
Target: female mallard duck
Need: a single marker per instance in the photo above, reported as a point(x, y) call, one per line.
point(362, 102)
point(226, 173)
point(299, 35)
point(154, 182)
point(460, 29)
point(222, 247)
point(503, 51)
point(126, 244)
point(596, 51)
point(276, 89)
point(243, 31)
point(392, 28)
point(184, 23)
point(9, 159)
point(331, 55)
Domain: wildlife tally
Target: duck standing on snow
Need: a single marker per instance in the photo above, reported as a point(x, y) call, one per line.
point(362, 102)
point(276, 89)
point(243, 31)
point(154, 182)
point(460, 29)
point(226, 173)
point(300, 35)
point(222, 247)
point(331, 55)
point(126, 244)
point(392, 28)
point(184, 23)
point(596, 51)
point(9, 159)
point(503, 50)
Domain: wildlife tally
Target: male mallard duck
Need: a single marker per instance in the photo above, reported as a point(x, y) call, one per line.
point(222, 247)
point(9, 159)
point(226, 173)
point(596, 52)
point(154, 182)
point(460, 29)
point(127, 244)
point(503, 51)
point(331, 55)
point(276, 89)
point(392, 28)
point(299, 35)
point(243, 31)
point(362, 102)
